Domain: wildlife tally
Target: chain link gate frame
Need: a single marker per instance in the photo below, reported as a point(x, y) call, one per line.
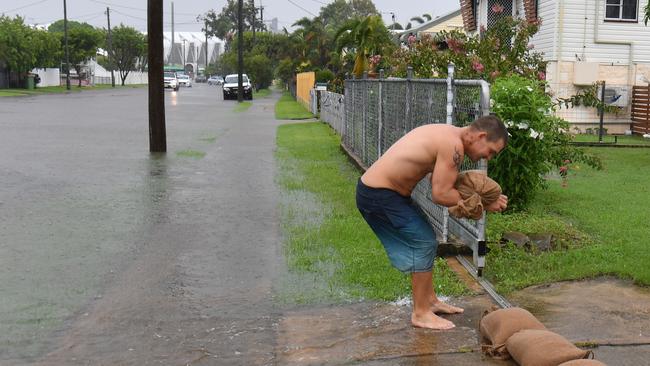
point(374, 113)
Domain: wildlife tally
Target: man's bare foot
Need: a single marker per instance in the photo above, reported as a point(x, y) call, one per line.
point(440, 307)
point(431, 321)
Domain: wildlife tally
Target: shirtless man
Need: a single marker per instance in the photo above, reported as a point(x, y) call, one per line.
point(383, 198)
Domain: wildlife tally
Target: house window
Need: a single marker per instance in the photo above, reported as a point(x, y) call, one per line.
point(625, 10)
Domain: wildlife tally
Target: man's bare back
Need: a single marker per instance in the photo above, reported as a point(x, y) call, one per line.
point(414, 156)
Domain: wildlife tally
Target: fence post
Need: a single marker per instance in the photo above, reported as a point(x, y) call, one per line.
point(450, 93)
point(364, 117)
point(380, 111)
point(409, 96)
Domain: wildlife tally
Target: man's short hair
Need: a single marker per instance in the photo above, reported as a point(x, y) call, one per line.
point(495, 129)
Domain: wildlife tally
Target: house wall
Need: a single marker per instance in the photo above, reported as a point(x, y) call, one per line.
point(574, 31)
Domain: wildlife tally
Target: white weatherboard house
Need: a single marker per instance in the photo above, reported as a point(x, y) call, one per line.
point(583, 41)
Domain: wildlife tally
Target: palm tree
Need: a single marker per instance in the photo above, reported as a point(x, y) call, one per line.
point(364, 36)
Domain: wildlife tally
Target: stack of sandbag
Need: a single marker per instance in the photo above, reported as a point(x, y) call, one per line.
point(516, 333)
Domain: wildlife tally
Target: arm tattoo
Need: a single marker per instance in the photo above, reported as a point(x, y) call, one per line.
point(458, 160)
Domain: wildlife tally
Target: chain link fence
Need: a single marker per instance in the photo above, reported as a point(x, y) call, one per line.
point(374, 113)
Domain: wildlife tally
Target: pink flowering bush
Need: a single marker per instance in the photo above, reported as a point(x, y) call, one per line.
point(503, 49)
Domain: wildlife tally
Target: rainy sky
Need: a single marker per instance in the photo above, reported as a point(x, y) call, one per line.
point(133, 13)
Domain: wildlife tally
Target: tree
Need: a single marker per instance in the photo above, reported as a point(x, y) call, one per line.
point(129, 46)
point(364, 37)
point(224, 24)
point(646, 12)
point(83, 41)
point(23, 48)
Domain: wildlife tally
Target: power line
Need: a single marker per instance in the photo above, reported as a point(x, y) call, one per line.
point(301, 8)
point(133, 8)
point(23, 7)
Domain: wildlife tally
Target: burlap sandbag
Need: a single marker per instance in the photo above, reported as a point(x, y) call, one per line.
point(583, 363)
point(497, 326)
point(477, 191)
point(533, 347)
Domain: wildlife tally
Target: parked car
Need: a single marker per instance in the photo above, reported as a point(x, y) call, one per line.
point(171, 81)
point(200, 79)
point(231, 83)
point(215, 80)
point(184, 80)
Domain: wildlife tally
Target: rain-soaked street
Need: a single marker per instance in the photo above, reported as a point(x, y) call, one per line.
point(112, 256)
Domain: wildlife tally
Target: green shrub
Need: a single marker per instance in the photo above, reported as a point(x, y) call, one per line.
point(538, 140)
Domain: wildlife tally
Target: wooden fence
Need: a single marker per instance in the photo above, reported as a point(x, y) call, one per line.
point(641, 109)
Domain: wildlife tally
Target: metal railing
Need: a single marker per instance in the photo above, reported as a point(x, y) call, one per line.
point(374, 113)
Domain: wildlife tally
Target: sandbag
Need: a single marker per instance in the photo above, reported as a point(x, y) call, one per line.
point(497, 326)
point(477, 191)
point(583, 363)
point(534, 347)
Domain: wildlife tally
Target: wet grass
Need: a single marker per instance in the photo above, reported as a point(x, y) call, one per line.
point(601, 218)
point(289, 108)
point(194, 154)
point(243, 106)
point(208, 139)
point(62, 89)
point(338, 248)
point(262, 93)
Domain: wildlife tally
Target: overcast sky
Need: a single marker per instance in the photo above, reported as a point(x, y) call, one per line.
point(133, 12)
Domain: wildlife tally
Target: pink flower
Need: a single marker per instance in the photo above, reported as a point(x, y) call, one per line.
point(455, 45)
point(482, 28)
point(498, 8)
point(530, 46)
point(477, 66)
point(411, 39)
point(541, 75)
point(494, 74)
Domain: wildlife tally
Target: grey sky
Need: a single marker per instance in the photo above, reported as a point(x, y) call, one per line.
point(133, 12)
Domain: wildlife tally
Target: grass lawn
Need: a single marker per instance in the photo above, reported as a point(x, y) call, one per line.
point(326, 239)
point(600, 221)
point(243, 106)
point(288, 108)
point(61, 89)
point(602, 217)
point(622, 140)
point(262, 93)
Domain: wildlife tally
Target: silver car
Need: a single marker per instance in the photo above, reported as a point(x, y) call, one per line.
point(184, 80)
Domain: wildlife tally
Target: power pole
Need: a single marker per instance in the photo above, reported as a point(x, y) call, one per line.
point(240, 52)
point(156, 58)
point(110, 46)
point(253, 22)
point(261, 13)
point(65, 35)
point(172, 54)
point(206, 48)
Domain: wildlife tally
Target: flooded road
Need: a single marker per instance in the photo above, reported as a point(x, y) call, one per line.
point(110, 255)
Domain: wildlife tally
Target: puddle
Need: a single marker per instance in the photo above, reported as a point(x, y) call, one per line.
point(378, 333)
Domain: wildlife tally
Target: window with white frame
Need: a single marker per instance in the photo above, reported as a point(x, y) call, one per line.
point(621, 10)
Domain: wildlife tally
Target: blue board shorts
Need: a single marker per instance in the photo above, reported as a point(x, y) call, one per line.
point(408, 238)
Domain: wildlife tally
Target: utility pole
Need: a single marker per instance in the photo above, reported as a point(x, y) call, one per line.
point(110, 46)
point(253, 22)
point(206, 48)
point(65, 35)
point(240, 52)
point(156, 58)
point(173, 42)
point(261, 13)
point(183, 55)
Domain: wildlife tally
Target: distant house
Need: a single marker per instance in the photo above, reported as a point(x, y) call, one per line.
point(447, 22)
point(583, 42)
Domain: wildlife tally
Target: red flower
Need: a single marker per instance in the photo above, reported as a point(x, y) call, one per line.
point(541, 75)
point(476, 65)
